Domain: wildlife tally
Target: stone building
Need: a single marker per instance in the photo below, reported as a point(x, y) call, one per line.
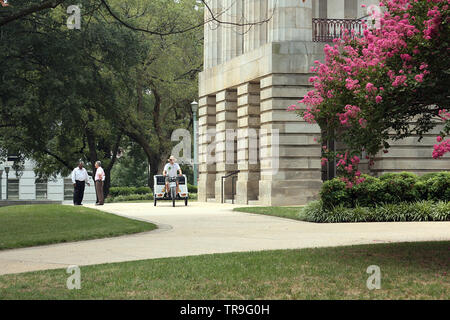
point(27, 186)
point(252, 73)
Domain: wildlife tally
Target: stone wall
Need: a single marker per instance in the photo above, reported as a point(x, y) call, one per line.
point(251, 76)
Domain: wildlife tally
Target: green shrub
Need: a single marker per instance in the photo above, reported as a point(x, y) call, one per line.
point(192, 188)
point(118, 191)
point(399, 187)
point(313, 212)
point(367, 193)
point(439, 187)
point(427, 176)
point(131, 197)
point(126, 191)
point(389, 188)
point(421, 187)
point(335, 192)
point(138, 197)
point(193, 196)
point(143, 190)
point(404, 211)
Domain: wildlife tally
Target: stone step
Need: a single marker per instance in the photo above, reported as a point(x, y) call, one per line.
point(254, 202)
point(211, 200)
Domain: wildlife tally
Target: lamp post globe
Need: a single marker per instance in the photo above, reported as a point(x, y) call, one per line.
point(194, 106)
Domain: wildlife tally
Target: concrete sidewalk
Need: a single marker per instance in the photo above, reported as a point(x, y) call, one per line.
point(203, 228)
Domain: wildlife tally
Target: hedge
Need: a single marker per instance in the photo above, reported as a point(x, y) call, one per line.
point(389, 188)
point(136, 197)
point(130, 197)
point(404, 211)
point(125, 191)
point(192, 188)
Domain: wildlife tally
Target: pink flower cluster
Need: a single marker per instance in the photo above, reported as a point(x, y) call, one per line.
point(432, 24)
point(441, 148)
point(356, 67)
point(351, 112)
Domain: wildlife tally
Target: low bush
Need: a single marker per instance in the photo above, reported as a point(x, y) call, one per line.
point(390, 188)
point(399, 187)
point(126, 191)
point(130, 197)
point(192, 188)
point(193, 196)
point(143, 190)
point(403, 211)
point(438, 187)
point(334, 192)
point(139, 197)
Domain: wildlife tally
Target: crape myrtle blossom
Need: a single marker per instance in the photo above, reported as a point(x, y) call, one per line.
point(443, 145)
point(355, 88)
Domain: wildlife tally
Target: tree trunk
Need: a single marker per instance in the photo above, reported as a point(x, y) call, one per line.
point(107, 183)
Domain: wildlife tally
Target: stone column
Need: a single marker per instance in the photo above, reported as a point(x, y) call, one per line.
point(206, 36)
point(207, 167)
point(351, 9)
point(216, 34)
point(247, 144)
point(336, 9)
point(227, 30)
point(290, 21)
point(226, 102)
point(237, 35)
point(290, 163)
point(255, 35)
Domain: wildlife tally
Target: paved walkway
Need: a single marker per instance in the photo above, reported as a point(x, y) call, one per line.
point(203, 228)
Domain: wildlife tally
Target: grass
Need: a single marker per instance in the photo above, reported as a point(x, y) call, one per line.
point(283, 212)
point(408, 271)
point(32, 225)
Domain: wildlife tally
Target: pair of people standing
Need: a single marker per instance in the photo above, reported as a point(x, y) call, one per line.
point(80, 178)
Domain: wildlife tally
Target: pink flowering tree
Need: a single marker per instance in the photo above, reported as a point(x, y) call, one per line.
point(389, 83)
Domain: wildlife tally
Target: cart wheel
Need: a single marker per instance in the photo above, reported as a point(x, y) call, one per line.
point(155, 202)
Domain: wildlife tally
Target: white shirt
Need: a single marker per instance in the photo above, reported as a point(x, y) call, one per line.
point(172, 169)
point(99, 174)
point(80, 175)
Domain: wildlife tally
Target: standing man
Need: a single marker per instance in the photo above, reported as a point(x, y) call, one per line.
point(79, 179)
point(170, 170)
point(99, 180)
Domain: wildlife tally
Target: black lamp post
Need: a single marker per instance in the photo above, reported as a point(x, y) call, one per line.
point(1, 181)
point(7, 172)
point(194, 106)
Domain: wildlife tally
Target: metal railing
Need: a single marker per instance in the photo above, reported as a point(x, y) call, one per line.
point(325, 30)
point(233, 179)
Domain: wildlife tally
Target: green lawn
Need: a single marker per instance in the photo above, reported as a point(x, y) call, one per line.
point(32, 225)
point(284, 212)
point(408, 271)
